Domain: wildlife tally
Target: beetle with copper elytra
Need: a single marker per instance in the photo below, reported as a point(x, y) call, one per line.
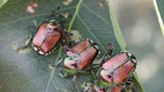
point(79, 58)
point(114, 71)
point(49, 34)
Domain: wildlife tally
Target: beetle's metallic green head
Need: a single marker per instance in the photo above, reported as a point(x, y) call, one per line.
point(53, 21)
point(104, 84)
point(69, 66)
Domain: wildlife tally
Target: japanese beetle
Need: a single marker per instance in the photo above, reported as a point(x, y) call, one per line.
point(116, 70)
point(47, 37)
point(79, 57)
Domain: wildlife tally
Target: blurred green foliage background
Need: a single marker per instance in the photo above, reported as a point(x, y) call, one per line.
point(141, 30)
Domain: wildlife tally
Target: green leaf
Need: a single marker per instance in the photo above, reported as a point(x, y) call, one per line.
point(2, 2)
point(137, 84)
point(29, 72)
point(159, 8)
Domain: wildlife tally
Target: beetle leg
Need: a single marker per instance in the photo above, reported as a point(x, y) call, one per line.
point(21, 48)
point(95, 46)
point(132, 57)
point(98, 74)
point(82, 72)
point(26, 44)
point(66, 48)
point(52, 51)
point(64, 16)
point(128, 86)
point(91, 41)
point(41, 52)
point(68, 36)
point(94, 75)
point(59, 62)
point(92, 67)
point(72, 43)
point(104, 59)
point(86, 86)
point(61, 74)
point(46, 54)
point(35, 48)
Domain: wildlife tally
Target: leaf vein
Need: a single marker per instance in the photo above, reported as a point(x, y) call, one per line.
point(97, 15)
point(28, 17)
point(93, 35)
point(75, 15)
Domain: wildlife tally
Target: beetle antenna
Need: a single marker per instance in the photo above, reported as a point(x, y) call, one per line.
point(110, 49)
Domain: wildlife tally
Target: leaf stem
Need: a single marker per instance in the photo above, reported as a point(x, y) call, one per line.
point(57, 58)
point(53, 70)
point(74, 16)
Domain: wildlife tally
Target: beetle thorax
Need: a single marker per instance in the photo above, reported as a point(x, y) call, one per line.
point(70, 63)
point(51, 27)
point(106, 75)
